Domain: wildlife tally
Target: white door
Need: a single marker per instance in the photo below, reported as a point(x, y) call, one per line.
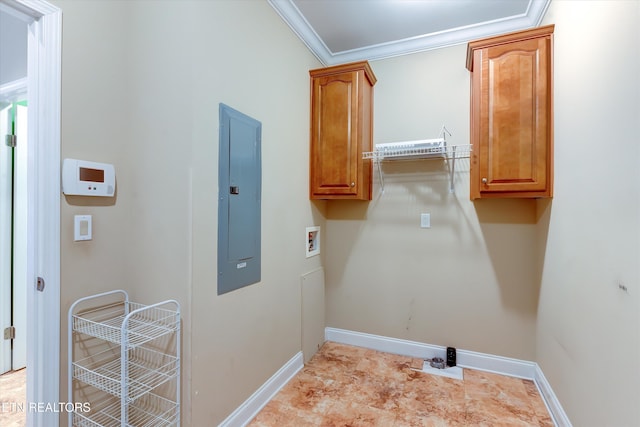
point(6, 186)
point(13, 242)
point(20, 282)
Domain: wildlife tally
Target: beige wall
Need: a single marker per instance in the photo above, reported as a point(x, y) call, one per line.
point(537, 280)
point(593, 239)
point(526, 279)
point(141, 87)
point(470, 281)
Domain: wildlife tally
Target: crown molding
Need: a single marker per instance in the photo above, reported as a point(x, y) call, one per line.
point(301, 27)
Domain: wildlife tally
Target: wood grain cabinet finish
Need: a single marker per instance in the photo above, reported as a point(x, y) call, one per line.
point(341, 130)
point(512, 115)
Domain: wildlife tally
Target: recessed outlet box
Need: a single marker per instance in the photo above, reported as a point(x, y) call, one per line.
point(312, 241)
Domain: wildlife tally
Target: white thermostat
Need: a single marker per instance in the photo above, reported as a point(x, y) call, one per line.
point(84, 178)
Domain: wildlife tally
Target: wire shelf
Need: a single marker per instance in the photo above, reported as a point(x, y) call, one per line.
point(130, 352)
point(144, 323)
point(412, 152)
point(149, 411)
point(147, 369)
point(436, 148)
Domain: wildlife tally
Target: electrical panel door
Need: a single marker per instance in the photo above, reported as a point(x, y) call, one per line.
point(240, 182)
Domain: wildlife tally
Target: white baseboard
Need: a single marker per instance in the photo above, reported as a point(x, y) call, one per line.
point(466, 359)
point(498, 364)
point(553, 404)
point(250, 408)
point(380, 343)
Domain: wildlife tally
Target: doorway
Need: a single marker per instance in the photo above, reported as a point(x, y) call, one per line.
point(13, 238)
point(13, 216)
point(42, 193)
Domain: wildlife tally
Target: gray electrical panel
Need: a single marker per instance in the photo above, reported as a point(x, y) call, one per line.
point(239, 199)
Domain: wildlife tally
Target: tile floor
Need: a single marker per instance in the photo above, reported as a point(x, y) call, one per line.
point(351, 386)
point(13, 394)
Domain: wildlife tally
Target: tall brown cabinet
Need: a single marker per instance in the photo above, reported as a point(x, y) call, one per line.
point(341, 130)
point(512, 114)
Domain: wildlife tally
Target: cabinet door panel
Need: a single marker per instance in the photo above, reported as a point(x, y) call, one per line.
point(334, 139)
point(513, 117)
point(512, 114)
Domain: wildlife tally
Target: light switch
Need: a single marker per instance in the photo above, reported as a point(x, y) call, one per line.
point(81, 227)
point(425, 220)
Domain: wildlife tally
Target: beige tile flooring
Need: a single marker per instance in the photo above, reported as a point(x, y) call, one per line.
point(13, 394)
point(350, 386)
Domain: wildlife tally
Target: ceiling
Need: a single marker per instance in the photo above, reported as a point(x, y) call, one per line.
point(340, 31)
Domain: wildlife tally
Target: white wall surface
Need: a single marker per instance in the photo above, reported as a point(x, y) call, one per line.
point(592, 243)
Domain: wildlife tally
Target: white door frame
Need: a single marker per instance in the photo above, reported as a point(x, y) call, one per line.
point(43, 204)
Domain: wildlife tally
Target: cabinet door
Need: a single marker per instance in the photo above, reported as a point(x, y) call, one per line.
point(512, 108)
point(334, 139)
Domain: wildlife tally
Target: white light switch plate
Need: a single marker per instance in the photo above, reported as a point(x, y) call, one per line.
point(425, 220)
point(81, 227)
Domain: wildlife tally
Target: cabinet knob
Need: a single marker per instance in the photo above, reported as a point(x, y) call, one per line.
point(484, 180)
point(353, 184)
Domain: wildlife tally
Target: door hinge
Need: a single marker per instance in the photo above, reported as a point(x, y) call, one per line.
point(11, 140)
point(10, 333)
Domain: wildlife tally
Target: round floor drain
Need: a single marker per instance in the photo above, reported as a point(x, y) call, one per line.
point(437, 362)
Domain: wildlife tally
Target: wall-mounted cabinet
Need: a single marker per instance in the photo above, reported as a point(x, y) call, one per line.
point(341, 130)
point(512, 114)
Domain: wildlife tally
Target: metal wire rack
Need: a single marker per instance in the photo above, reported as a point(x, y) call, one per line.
point(131, 354)
point(147, 370)
point(150, 411)
point(144, 323)
point(437, 148)
point(416, 150)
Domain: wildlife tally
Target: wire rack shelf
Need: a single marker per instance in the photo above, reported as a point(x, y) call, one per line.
point(150, 411)
point(128, 354)
point(142, 323)
point(437, 148)
point(147, 369)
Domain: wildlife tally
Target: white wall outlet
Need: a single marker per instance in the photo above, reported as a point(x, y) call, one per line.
point(82, 228)
point(425, 220)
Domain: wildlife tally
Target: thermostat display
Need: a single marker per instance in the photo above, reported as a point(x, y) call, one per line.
point(84, 178)
point(91, 175)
